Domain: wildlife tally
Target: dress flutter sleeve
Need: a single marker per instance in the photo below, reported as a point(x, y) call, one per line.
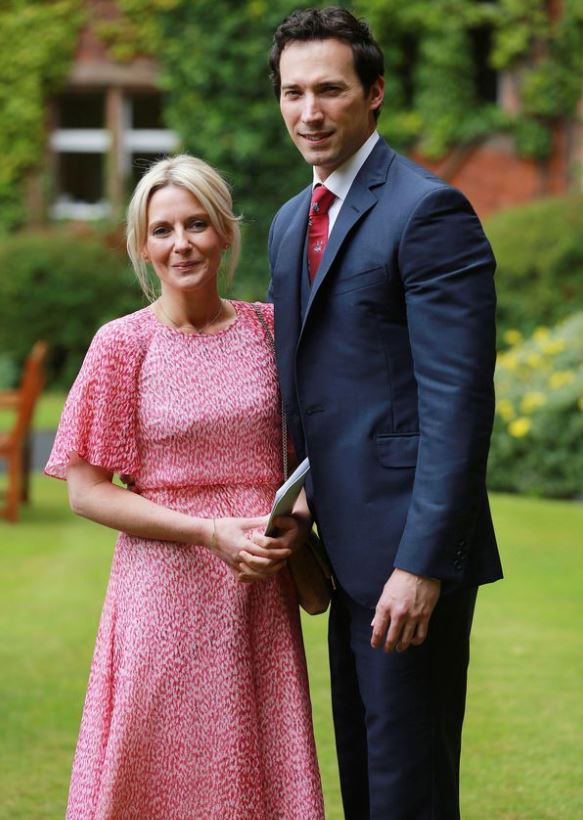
point(98, 422)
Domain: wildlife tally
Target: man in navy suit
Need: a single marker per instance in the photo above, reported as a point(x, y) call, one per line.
point(385, 344)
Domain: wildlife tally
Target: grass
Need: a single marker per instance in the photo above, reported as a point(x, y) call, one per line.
point(522, 746)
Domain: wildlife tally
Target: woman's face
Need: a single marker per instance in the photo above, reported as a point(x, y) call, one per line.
point(182, 245)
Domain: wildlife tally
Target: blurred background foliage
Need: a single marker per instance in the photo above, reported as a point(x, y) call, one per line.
point(36, 45)
point(538, 431)
point(539, 249)
point(60, 285)
point(63, 283)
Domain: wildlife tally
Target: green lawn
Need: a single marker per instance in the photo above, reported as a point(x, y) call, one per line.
point(522, 750)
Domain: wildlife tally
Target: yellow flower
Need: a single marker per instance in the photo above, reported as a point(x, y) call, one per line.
point(508, 361)
point(561, 378)
point(519, 427)
point(505, 409)
point(531, 402)
point(535, 360)
point(541, 333)
point(553, 346)
point(513, 337)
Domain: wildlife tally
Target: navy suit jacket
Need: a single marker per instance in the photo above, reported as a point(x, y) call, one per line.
point(386, 373)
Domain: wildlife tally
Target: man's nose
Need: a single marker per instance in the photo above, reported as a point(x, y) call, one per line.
point(311, 111)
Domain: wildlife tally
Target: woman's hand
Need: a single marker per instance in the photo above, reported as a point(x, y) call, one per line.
point(234, 542)
point(291, 534)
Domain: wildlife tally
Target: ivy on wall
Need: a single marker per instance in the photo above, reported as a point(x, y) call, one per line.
point(37, 40)
point(213, 59)
point(432, 87)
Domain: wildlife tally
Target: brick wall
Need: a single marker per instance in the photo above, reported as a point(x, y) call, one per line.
point(492, 176)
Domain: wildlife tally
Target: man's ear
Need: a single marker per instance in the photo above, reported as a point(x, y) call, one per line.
point(377, 93)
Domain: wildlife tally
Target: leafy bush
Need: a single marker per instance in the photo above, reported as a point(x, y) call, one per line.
point(540, 262)
point(61, 286)
point(8, 372)
point(31, 68)
point(537, 445)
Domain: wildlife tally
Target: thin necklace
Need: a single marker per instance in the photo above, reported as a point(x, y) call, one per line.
point(198, 330)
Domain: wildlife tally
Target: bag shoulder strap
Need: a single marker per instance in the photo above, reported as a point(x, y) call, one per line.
point(269, 335)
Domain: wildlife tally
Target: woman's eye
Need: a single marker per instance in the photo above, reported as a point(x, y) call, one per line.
point(198, 225)
point(160, 231)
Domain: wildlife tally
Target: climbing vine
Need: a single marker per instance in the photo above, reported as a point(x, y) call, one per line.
point(212, 55)
point(433, 98)
point(36, 45)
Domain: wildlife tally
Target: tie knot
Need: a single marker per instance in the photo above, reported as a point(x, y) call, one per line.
point(322, 198)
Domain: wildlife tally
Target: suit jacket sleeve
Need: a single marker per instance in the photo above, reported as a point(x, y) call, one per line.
point(447, 269)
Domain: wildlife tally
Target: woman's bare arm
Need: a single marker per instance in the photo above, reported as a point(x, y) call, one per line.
point(92, 495)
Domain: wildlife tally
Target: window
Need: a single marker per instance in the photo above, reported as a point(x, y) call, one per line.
point(145, 138)
point(80, 142)
point(486, 78)
point(103, 141)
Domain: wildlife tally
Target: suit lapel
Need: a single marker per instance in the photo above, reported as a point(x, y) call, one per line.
point(361, 198)
point(288, 310)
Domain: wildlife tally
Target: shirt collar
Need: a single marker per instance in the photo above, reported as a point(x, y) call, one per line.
point(340, 180)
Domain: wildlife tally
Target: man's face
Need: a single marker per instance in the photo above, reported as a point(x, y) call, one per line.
point(324, 106)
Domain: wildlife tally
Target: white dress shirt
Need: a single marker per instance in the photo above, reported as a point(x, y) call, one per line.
point(340, 181)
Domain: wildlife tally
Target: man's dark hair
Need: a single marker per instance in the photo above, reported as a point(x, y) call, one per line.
point(332, 22)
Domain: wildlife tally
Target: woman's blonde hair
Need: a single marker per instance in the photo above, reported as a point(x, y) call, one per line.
point(206, 185)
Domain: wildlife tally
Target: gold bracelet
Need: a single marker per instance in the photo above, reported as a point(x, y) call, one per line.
point(214, 536)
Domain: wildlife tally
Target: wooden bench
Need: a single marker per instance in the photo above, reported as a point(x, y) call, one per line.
point(15, 444)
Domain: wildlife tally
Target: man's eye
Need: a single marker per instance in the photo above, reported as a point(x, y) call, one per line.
point(291, 95)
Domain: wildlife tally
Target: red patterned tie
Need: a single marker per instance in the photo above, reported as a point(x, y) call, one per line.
point(318, 223)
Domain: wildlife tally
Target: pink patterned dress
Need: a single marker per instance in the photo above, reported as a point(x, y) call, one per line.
point(198, 702)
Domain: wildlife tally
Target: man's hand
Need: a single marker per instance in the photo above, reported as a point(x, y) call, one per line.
point(403, 611)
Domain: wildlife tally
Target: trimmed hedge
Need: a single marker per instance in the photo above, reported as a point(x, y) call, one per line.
point(539, 249)
point(537, 444)
point(61, 286)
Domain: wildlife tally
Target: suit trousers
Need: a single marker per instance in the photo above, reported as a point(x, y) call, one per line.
point(398, 717)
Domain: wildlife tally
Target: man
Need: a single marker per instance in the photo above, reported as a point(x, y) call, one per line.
point(384, 311)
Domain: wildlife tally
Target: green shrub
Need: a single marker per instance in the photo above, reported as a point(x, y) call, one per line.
point(61, 286)
point(8, 372)
point(540, 262)
point(537, 445)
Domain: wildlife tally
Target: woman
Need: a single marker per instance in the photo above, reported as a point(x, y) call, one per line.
point(198, 704)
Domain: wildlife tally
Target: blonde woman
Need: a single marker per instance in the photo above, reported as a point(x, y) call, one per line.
point(198, 704)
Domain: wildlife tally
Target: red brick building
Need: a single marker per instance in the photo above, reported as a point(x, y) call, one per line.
point(104, 126)
point(107, 123)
